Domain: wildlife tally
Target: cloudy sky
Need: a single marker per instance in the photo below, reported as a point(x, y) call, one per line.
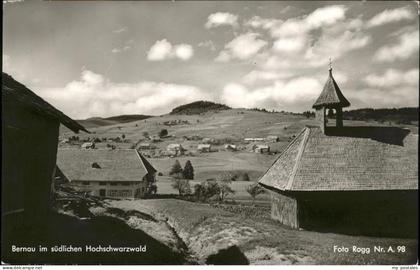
point(108, 58)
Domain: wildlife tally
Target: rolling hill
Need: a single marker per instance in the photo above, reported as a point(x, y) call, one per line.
point(223, 126)
point(199, 107)
point(99, 121)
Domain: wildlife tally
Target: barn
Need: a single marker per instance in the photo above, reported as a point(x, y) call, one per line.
point(353, 180)
point(175, 149)
point(121, 173)
point(261, 148)
point(204, 148)
point(30, 128)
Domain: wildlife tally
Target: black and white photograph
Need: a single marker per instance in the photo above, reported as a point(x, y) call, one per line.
point(209, 133)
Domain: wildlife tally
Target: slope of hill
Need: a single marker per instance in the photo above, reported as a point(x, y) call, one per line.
point(198, 107)
point(99, 121)
point(399, 116)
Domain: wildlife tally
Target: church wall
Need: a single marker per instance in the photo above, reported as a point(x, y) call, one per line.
point(376, 213)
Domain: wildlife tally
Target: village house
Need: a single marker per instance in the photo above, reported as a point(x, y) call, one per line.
point(231, 147)
point(88, 145)
point(254, 139)
point(155, 138)
point(208, 140)
point(30, 129)
point(146, 146)
point(354, 180)
point(104, 173)
point(175, 149)
point(272, 138)
point(261, 148)
point(204, 148)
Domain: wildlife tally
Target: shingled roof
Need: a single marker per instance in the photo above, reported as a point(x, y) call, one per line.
point(13, 91)
point(115, 165)
point(331, 95)
point(314, 161)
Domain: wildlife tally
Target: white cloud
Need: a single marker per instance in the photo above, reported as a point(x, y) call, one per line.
point(163, 50)
point(258, 22)
point(207, 44)
point(335, 46)
point(183, 51)
point(123, 49)
point(297, 46)
point(221, 18)
point(242, 47)
point(223, 56)
point(389, 16)
point(379, 98)
point(281, 94)
point(325, 16)
point(95, 95)
point(120, 30)
point(290, 44)
point(393, 77)
point(320, 17)
point(407, 45)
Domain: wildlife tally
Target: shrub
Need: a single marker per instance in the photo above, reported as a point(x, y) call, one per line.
point(225, 190)
point(254, 190)
point(152, 189)
point(163, 133)
point(227, 177)
point(245, 177)
point(206, 190)
point(160, 174)
point(176, 168)
point(182, 185)
point(188, 171)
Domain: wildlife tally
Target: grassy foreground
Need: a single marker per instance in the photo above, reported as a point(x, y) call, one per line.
point(207, 230)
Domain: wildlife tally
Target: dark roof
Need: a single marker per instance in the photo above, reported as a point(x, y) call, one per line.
point(13, 91)
point(146, 163)
point(314, 161)
point(331, 95)
point(115, 165)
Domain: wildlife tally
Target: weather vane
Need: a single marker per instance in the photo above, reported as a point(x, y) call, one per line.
point(330, 64)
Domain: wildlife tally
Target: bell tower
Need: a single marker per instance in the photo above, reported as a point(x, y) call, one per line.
point(330, 98)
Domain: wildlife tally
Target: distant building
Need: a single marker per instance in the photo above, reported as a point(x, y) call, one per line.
point(208, 140)
point(104, 173)
point(28, 122)
point(155, 138)
point(175, 149)
point(272, 138)
point(231, 147)
point(254, 139)
point(261, 148)
point(354, 180)
point(204, 148)
point(144, 146)
point(88, 145)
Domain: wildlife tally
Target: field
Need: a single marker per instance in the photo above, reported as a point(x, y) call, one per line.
point(238, 231)
point(223, 126)
point(208, 231)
